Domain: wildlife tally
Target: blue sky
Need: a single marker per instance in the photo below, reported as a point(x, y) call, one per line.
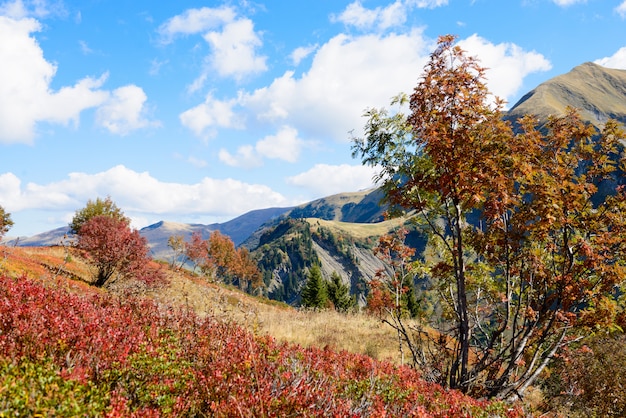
point(198, 112)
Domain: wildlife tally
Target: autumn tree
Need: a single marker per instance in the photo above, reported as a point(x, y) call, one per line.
point(5, 222)
point(524, 253)
point(218, 258)
point(221, 256)
point(114, 250)
point(196, 250)
point(178, 246)
point(246, 271)
point(104, 207)
point(314, 294)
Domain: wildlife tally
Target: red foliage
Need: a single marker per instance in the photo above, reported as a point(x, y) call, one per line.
point(114, 248)
point(152, 362)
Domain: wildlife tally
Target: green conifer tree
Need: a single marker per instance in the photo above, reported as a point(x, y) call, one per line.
point(314, 294)
point(339, 293)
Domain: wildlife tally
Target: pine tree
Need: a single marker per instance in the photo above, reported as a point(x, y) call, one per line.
point(314, 294)
point(339, 293)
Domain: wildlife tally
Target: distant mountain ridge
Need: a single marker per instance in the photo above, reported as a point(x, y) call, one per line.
point(339, 231)
point(599, 94)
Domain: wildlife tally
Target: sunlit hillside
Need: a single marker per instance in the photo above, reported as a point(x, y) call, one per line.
point(69, 349)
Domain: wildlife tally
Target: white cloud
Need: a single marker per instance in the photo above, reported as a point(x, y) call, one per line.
point(124, 111)
point(194, 21)
point(235, 50)
point(285, 145)
point(382, 18)
point(301, 53)
point(232, 40)
point(324, 179)
point(621, 10)
point(565, 3)
point(617, 60)
point(140, 194)
point(507, 64)
point(19, 9)
point(366, 19)
point(85, 48)
point(349, 74)
point(25, 76)
point(204, 118)
point(155, 66)
point(197, 162)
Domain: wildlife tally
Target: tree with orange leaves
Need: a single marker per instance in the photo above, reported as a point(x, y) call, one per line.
point(523, 249)
point(218, 259)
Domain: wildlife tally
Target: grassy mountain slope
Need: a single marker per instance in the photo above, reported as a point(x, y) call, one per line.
point(599, 93)
point(356, 207)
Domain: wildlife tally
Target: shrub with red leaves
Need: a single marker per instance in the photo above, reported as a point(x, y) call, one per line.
point(64, 354)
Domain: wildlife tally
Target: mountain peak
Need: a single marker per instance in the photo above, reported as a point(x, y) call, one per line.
point(597, 92)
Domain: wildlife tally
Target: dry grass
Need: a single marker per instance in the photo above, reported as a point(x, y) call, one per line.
point(358, 230)
point(357, 333)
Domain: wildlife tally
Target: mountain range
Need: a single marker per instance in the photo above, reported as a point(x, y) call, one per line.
point(338, 232)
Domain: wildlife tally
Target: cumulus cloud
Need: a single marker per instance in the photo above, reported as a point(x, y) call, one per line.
point(324, 179)
point(351, 73)
point(124, 111)
point(621, 10)
point(507, 64)
point(285, 146)
point(232, 40)
point(194, 21)
point(381, 17)
point(427, 4)
point(205, 118)
point(26, 98)
point(234, 50)
point(617, 60)
point(333, 89)
point(140, 194)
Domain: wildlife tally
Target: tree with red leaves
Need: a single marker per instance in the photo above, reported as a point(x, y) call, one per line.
point(114, 249)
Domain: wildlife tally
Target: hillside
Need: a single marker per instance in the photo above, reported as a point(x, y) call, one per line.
point(287, 250)
point(355, 333)
point(68, 349)
point(599, 93)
